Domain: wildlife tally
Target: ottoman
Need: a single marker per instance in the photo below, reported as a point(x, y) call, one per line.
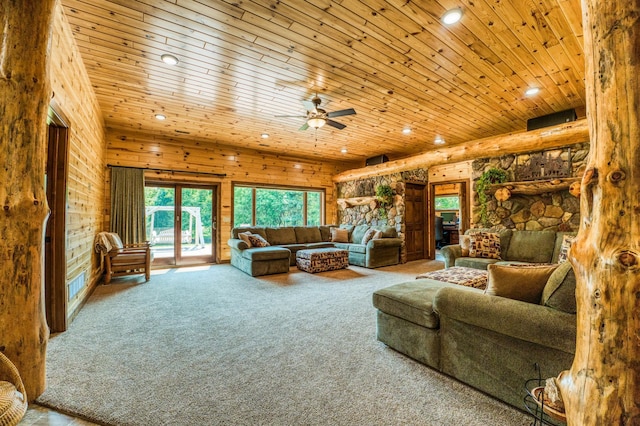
point(322, 259)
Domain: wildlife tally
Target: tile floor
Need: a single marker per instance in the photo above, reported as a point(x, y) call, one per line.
point(38, 415)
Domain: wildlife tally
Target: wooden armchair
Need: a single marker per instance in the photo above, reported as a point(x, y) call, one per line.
point(126, 259)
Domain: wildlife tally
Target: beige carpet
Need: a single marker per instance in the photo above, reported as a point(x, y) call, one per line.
point(213, 346)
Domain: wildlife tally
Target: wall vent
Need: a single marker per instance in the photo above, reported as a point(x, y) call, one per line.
point(76, 285)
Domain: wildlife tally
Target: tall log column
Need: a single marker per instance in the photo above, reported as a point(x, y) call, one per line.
point(603, 385)
point(24, 98)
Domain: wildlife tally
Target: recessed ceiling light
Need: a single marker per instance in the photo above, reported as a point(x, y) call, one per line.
point(264, 135)
point(344, 150)
point(406, 130)
point(438, 140)
point(161, 116)
point(169, 59)
point(452, 16)
point(532, 91)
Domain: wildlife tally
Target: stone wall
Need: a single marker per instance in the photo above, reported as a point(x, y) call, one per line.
point(558, 211)
point(373, 213)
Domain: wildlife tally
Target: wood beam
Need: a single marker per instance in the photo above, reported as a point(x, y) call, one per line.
point(511, 143)
point(603, 385)
point(24, 100)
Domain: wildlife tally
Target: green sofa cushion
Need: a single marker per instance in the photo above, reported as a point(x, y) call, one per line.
point(475, 262)
point(307, 234)
point(266, 253)
point(531, 246)
point(560, 291)
point(358, 233)
point(325, 232)
point(357, 248)
point(280, 236)
point(387, 231)
point(411, 301)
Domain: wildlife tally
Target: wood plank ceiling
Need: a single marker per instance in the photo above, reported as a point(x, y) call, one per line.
point(243, 62)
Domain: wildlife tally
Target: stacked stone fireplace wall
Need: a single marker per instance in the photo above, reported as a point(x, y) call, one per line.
point(373, 213)
point(556, 211)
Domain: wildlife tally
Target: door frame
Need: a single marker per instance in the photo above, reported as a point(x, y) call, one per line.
point(55, 244)
point(177, 186)
point(465, 209)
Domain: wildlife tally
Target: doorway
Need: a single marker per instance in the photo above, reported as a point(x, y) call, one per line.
point(449, 214)
point(55, 259)
point(181, 223)
point(415, 235)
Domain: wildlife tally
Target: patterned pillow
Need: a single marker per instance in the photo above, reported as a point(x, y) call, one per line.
point(339, 235)
point(377, 235)
point(485, 245)
point(244, 236)
point(257, 240)
point(567, 240)
point(368, 236)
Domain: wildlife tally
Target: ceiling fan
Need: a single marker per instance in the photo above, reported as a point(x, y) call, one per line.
point(318, 117)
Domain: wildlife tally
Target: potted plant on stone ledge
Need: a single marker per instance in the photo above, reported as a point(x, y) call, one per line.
point(384, 194)
point(488, 178)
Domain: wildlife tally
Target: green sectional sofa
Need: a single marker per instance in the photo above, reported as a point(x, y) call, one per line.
point(489, 342)
point(285, 242)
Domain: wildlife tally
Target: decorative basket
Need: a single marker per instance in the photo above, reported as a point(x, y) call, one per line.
point(13, 398)
point(547, 407)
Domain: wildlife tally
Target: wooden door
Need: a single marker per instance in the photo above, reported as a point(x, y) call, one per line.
point(415, 221)
point(55, 235)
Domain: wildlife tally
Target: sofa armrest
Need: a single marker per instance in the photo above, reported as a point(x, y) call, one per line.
point(237, 244)
point(450, 254)
point(384, 242)
point(525, 321)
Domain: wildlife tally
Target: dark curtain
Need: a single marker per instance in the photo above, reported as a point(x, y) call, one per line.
point(127, 204)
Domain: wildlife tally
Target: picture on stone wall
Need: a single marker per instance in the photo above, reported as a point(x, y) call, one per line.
point(544, 165)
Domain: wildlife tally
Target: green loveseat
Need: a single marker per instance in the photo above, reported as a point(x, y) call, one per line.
point(515, 246)
point(489, 342)
point(285, 242)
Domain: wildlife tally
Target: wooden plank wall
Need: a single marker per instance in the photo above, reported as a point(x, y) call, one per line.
point(76, 100)
point(450, 172)
point(130, 149)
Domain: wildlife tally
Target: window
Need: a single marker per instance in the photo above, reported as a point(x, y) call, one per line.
point(447, 202)
point(268, 206)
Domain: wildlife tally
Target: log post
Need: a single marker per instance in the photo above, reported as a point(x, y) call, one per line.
point(603, 385)
point(24, 99)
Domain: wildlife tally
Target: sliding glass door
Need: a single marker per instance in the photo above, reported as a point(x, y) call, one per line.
point(181, 223)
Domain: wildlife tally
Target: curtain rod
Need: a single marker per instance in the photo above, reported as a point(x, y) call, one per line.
point(170, 171)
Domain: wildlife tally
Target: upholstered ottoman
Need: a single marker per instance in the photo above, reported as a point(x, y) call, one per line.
point(322, 259)
point(461, 275)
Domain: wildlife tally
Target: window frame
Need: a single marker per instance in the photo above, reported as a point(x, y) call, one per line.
point(254, 187)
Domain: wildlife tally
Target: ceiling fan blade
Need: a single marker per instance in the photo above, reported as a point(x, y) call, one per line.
point(305, 126)
point(335, 124)
point(342, 112)
point(290, 116)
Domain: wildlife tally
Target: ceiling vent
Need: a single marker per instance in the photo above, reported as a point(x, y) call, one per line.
point(552, 119)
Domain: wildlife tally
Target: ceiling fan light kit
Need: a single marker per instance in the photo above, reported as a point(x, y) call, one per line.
point(317, 117)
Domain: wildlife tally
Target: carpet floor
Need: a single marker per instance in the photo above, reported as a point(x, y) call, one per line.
point(214, 346)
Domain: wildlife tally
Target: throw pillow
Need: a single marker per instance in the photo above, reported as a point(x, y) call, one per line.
point(368, 236)
point(377, 235)
point(560, 291)
point(257, 240)
point(339, 235)
point(567, 240)
point(517, 282)
point(244, 236)
point(485, 245)
point(465, 244)
point(115, 240)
